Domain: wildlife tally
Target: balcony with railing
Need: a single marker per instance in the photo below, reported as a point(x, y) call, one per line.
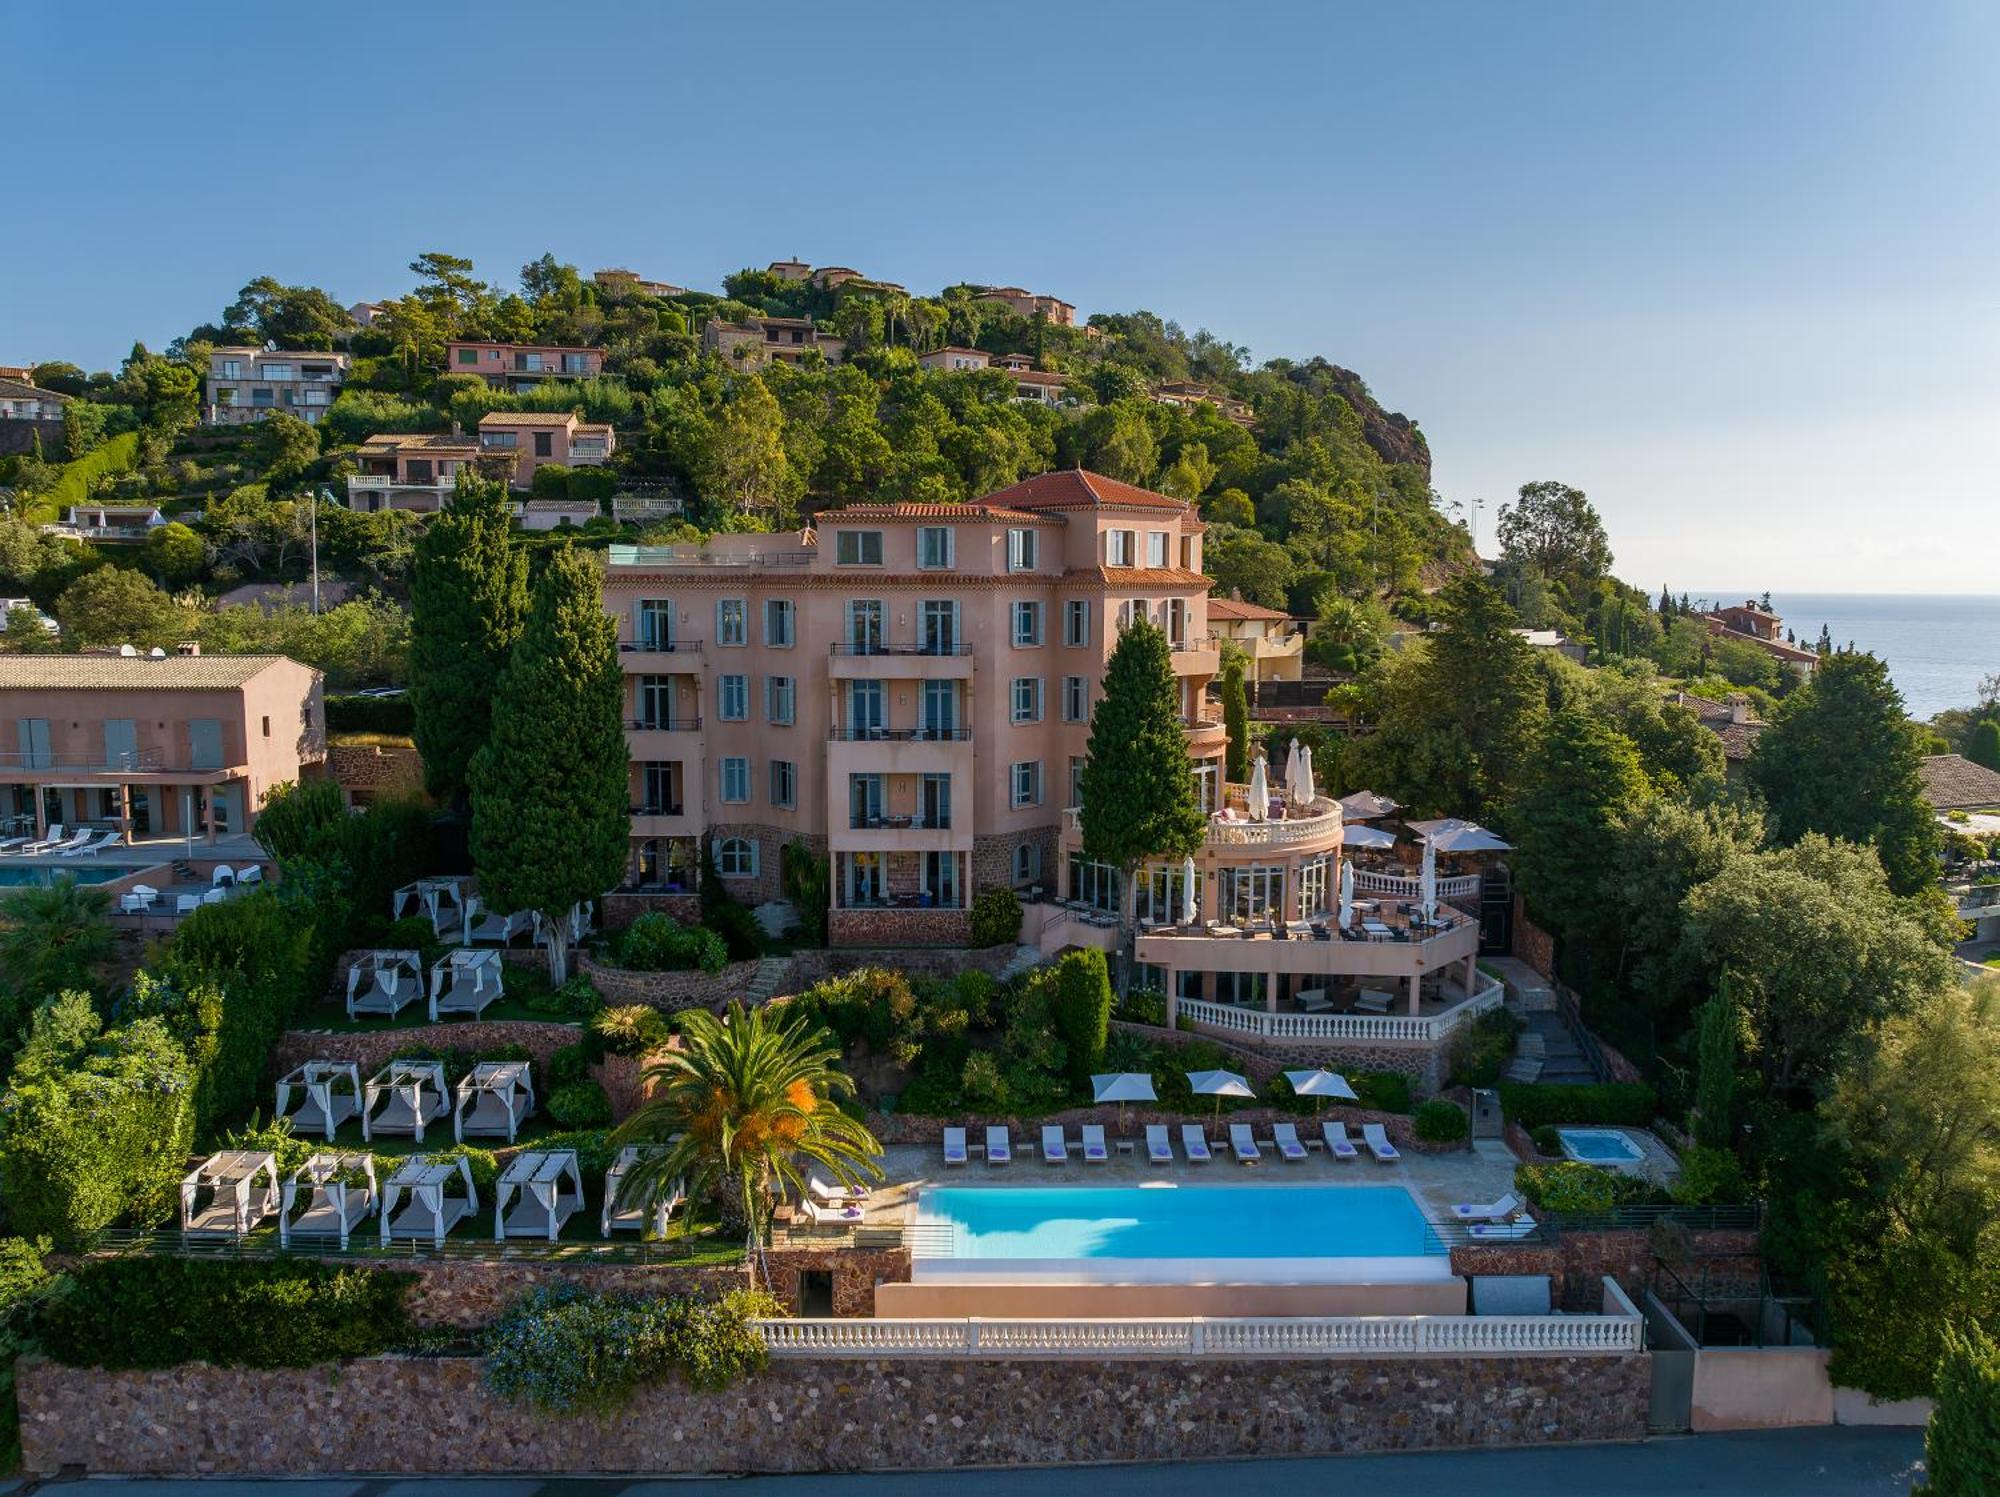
point(662, 722)
point(659, 654)
point(135, 761)
point(702, 557)
point(899, 659)
point(1435, 1023)
point(844, 734)
point(1382, 939)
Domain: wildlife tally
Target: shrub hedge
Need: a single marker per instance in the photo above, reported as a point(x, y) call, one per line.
point(656, 942)
point(160, 1312)
point(358, 714)
point(996, 917)
point(1441, 1122)
point(1630, 1104)
point(579, 1104)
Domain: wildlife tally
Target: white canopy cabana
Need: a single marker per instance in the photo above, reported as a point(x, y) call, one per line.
point(1356, 835)
point(550, 1191)
point(578, 921)
point(441, 899)
point(1366, 805)
point(1450, 834)
point(493, 1098)
point(1219, 1084)
point(382, 982)
point(630, 1216)
point(229, 1193)
point(324, 1102)
point(405, 1096)
point(435, 1207)
point(340, 1193)
point(482, 924)
point(465, 981)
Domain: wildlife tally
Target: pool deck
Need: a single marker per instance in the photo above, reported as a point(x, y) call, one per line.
point(1436, 1181)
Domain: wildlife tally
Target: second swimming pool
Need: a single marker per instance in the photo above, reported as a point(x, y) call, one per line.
point(1186, 1233)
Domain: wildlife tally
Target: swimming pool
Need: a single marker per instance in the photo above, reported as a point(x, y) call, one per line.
point(31, 875)
point(1600, 1146)
point(1176, 1234)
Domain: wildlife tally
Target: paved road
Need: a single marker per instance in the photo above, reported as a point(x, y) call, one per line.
point(1793, 1463)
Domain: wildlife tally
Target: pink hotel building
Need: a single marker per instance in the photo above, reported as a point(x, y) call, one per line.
point(907, 690)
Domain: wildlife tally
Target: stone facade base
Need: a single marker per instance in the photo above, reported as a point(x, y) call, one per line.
point(899, 927)
point(434, 1415)
point(620, 910)
point(667, 991)
point(368, 772)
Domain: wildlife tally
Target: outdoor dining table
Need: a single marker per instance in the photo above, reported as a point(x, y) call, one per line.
point(1375, 927)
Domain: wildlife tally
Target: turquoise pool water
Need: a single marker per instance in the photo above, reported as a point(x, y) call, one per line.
point(28, 875)
point(1599, 1146)
point(1191, 1222)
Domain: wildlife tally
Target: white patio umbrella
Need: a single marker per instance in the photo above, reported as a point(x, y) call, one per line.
point(1219, 1084)
point(1190, 911)
point(1307, 794)
point(1123, 1087)
point(1320, 1085)
point(1260, 791)
point(1292, 770)
point(1346, 894)
point(1450, 834)
point(1427, 882)
point(1353, 834)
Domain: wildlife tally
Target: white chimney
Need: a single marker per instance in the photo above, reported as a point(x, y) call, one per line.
point(1739, 707)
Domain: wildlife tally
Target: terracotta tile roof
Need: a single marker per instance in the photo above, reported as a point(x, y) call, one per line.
point(1953, 782)
point(1738, 738)
point(1137, 577)
point(1230, 608)
point(14, 389)
point(1076, 488)
point(1037, 377)
point(1775, 646)
point(411, 441)
point(132, 672)
point(526, 418)
point(978, 510)
point(524, 348)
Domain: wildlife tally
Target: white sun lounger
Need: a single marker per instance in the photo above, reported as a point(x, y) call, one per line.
point(836, 1194)
point(1500, 1210)
point(830, 1216)
point(1244, 1143)
point(56, 835)
point(91, 848)
point(954, 1146)
point(1285, 1137)
point(14, 844)
point(999, 1147)
point(1338, 1144)
point(1055, 1147)
point(1195, 1143)
point(1094, 1151)
point(66, 846)
point(1513, 1231)
point(1158, 1150)
point(1378, 1143)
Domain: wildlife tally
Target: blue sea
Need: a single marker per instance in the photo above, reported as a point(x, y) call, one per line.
point(1937, 648)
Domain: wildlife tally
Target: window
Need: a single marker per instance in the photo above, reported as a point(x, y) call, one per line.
point(1253, 893)
point(1076, 621)
point(1026, 781)
point(778, 619)
point(736, 857)
point(732, 699)
point(1076, 699)
point(780, 697)
point(1118, 548)
point(864, 626)
point(941, 879)
point(1156, 548)
point(1027, 863)
point(468, 356)
point(545, 444)
point(277, 373)
point(1162, 894)
point(940, 708)
point(1021, 550)
point(1076, 780)
point(656, 701)
point(1027, 624)
point(1094, 884)
point(866, 713)
point(267, 727)
point(505, 440)
point(205, 743)
point(1208, 786)
point(784, 784)
point(662, 796)
point(937, 620)
point(232, 369)
point(866, 881)
point(934, 548)
point(857, 548)
point(1315, 880)
point(1027, 699)
point(864, 800)
point(732, 626)
point(736, 780)
point(654, 619)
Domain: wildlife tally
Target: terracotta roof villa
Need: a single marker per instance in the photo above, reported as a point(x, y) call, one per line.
point(1730, 721)
point(1953, 782)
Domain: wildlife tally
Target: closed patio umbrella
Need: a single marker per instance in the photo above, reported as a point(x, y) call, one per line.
point(1219, 1084)
point(1260, 791)
point(1292, 770)
point(1307, 794)
point(1320, 1085)
point(1427, 883)
point(1190, 911)
point(1346, 894)
point(1123, 1087)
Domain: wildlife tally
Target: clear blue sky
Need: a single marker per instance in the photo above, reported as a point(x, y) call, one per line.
point(1729, 267)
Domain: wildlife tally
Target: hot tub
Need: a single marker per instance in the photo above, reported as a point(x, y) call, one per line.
point(1601, 1146)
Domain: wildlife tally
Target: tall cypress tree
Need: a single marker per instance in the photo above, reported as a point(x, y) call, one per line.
point(468, 596)
point(1983, 747)
point(1235, 720)
point(1139, 798)
point(549, 787)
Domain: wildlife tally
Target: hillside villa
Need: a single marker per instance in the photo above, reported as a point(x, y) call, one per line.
point(418, 471)
point(1273, 644)
point(1749, 623)
point(522, 366)
point(769, 340)
point(246, 384)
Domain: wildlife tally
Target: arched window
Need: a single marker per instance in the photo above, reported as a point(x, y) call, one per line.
point(736, 857)
point(1027, 863)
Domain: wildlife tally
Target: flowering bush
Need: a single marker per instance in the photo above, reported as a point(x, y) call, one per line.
point(563, 1348)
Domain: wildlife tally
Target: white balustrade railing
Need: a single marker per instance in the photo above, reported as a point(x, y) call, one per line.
point(1263, 1024)
point(1410, 888)
point(1329, 1336)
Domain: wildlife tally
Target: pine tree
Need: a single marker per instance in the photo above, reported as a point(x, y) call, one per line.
point(1137, 786)
point(1235, 721)
point(1983, 746)
point(468, 596)
point(1962, 1440)
point(549, 788)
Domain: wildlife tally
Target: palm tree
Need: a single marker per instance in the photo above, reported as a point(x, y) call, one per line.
point(744, 1105)
point(55, 936)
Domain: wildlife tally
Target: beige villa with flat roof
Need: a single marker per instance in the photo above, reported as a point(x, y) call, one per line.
point(153, 746)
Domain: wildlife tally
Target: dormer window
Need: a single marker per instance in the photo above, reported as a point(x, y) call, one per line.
point(1021, 550)
point(857, 548)
point(1118, 548)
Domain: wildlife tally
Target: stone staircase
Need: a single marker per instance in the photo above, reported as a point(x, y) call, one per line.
point(767, 979)
point(1548, 1053)
point(1023, 958)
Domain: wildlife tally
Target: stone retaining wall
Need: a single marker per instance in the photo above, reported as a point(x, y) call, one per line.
point(816, 965)
point(620, 910)
point(670, 992)
point(434, 1415)
point(463, 1295)
point(370, 771)
point(913, 927)
point(371, 1048)
point(1577, 1263)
